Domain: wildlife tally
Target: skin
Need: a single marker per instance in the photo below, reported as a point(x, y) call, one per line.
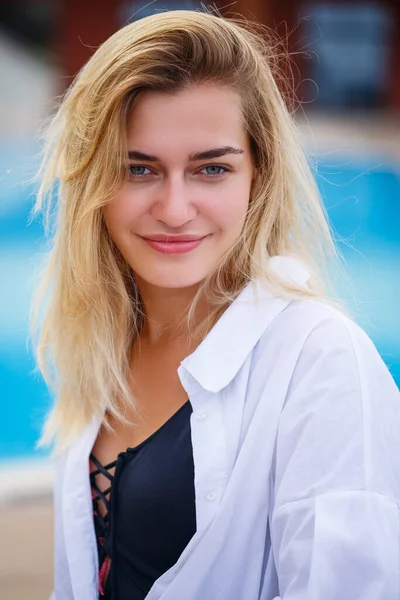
point(176, 194)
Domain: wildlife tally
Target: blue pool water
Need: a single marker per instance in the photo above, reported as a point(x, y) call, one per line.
point(363, 203)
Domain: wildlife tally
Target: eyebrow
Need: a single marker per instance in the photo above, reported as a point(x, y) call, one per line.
point(204, 155)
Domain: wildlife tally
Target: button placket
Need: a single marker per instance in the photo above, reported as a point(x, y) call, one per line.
point(209, 450)
point(201, 415)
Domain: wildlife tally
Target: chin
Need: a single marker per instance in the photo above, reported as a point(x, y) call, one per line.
point(173, 280)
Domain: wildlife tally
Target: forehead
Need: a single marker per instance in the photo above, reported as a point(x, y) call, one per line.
point(195, 118)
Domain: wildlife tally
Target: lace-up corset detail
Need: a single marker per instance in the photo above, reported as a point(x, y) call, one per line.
point(101, 521)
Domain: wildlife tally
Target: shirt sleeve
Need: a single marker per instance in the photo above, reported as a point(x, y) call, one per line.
point(335, 524)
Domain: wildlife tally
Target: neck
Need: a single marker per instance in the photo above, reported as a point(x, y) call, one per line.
point(166, 311)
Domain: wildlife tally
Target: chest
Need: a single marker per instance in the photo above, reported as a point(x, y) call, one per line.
point(157, 395)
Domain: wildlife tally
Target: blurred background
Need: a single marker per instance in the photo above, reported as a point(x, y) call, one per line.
point(345, 66)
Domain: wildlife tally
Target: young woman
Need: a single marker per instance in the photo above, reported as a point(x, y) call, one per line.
point(223, 431)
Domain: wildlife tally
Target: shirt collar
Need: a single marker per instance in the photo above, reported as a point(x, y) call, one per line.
point(218, 358)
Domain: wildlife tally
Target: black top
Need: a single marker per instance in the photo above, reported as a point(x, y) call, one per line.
point(151, 513)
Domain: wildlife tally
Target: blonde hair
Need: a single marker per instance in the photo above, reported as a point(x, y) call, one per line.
point(92, 307)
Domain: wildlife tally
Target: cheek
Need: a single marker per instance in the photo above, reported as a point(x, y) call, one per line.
point(120, 213)
point(228, 211)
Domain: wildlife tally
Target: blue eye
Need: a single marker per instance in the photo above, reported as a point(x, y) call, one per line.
point(214, 170)
point(138, 170)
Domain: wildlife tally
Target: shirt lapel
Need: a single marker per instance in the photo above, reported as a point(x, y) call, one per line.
point(80, 541)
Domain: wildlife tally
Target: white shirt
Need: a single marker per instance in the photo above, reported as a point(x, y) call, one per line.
point(296, 442)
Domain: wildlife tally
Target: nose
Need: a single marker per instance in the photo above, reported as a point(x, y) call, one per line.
point(172, 205)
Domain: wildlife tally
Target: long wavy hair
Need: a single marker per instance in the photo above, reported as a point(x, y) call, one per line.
point(88, 312)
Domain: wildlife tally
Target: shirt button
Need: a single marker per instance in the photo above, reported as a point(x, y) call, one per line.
point(201, 415)
point(211, 496)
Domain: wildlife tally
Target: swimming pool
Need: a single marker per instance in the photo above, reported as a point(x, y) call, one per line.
point(363, 203)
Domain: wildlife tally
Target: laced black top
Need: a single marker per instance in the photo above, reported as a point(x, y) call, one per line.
point(150, 510)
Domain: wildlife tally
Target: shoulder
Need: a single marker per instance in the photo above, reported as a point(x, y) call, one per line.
point(319, 324)
point(321, 339)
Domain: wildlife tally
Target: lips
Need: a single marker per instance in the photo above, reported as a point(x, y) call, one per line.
point(169, 244)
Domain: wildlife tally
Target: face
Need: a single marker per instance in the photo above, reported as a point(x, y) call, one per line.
point(189, 174)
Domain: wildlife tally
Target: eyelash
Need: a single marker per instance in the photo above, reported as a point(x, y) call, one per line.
point(215, 176)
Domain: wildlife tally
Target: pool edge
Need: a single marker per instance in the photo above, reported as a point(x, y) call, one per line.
point(28, 480)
